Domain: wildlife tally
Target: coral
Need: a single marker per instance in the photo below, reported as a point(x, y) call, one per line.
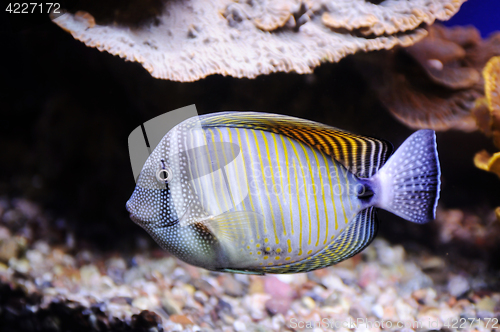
point(485, 161)
point(436, 82)
point(190, 40)
point(384, 17)
point(487, 114)
point(487, 110)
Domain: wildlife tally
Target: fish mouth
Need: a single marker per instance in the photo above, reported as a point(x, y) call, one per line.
point(130, 209)
point(128, 206)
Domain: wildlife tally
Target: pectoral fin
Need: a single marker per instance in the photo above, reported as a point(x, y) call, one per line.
point(232, 226)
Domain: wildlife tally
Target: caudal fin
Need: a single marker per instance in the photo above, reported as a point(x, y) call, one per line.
point(408, 184)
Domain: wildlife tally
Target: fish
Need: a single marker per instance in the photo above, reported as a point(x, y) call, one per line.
point(257, 193)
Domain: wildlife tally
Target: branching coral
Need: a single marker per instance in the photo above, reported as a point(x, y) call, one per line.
point(196, 38)
point(491, 102)
point(487, 113)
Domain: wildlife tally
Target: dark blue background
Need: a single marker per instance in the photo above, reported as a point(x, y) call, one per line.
point(483, 14)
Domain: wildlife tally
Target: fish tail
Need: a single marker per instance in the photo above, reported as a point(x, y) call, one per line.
point(408, 184)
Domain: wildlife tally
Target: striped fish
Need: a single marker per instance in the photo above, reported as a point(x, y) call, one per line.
point(262, 193)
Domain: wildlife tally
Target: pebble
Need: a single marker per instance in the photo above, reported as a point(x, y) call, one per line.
point(255, 304)
point(357, 312)
point(12, 218)
point(35, 258)
point(289, 278)
point(256, 285)
point(121, 300)
point(458, 285)
point(278, 322)
point(115, 268)
point(404, 310)
point(430, 263)
point(200, 297)
point(278, 289)
point(204, 286)
point(308, 302)
point(243, 278)
point(378, 311)
point(333, 299)
point(239, 326)
point(151, 291)
point(20, 265)
point(106, 283)
point(171, 306)
point(9, 248)
point(369, 273)
point(388, 297)
point(392, 256)
point(42, 247)
point(333, 282)
point(348, 276)
point(181, 319)
point(90, 275)
point(4, 233)
point(429, 317)
point(446, 313)
point(227, 319)
point(372, 289)
point(486, 304)
point(231, 286)
point(29, 209)
point(142, 303)
point(277, 306)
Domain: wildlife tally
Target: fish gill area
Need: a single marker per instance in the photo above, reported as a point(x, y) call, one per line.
point(72, 260)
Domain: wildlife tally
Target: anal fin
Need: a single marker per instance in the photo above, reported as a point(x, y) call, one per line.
point(259, 273)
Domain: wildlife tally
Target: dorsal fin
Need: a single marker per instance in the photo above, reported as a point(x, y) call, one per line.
point(361, 155)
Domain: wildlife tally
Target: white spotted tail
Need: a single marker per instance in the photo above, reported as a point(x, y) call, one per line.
point(408, 184)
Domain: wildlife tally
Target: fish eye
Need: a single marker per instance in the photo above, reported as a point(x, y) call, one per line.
point(164, 174)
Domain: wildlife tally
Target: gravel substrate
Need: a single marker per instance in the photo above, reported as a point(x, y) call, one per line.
point(48, 284)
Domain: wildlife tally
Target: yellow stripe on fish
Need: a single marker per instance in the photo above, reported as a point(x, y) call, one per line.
point(263, 193)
